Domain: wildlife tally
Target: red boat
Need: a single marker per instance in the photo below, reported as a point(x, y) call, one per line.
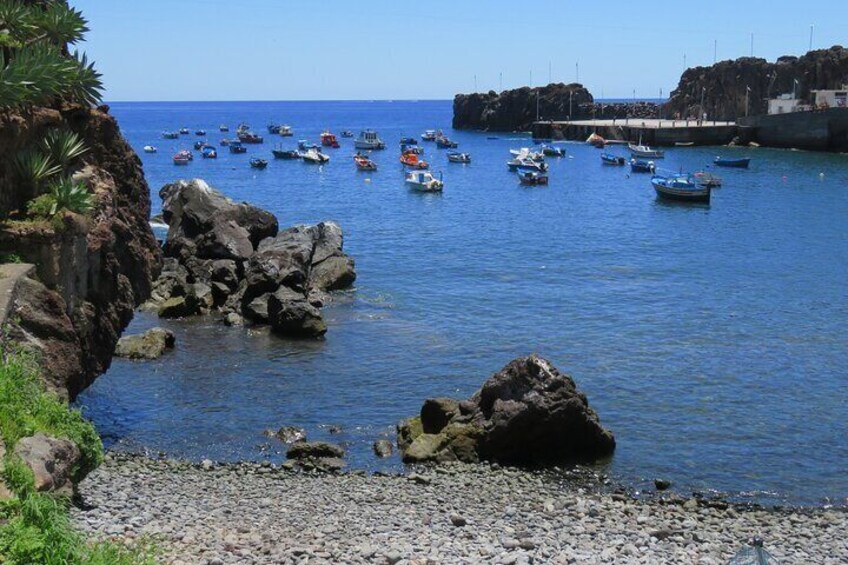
point(363, 163)
point(183, 157)
point(247, 137)
point(410, 159)
point(329, 140)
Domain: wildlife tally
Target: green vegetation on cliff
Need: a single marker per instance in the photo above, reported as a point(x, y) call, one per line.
point(34, 526)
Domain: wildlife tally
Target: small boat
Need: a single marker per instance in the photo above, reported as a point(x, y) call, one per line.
point(456, 157)
point(249, 137)
point(223, 128)
point(280, 153)
point(550, 151)
point(443, 142)
point(225, 142)
point(412, 149)
point(424, 182)
point(684, 143)
point(314, 156)
point(208, 152)
point(429, 135)
point(200, 132)
point(363, 163)
point(170, 135)
point(286, 131)
point(408, 141)
point(411, 159)
point(347, 133)
point(304, 145)
point(525, 153)
point(329, 140)
point(531, 178)
point(741, 163)
point(237, 147)
point(150, 149)
point(199, 144)
point(610, 159)
point(273, 129)
point(681, 188)
point(526, 165)
point(369, 139)
point(645, 152)
point(184, 131)
point(183, 157)
point(257, 163)
point(596, 141)
point(707, 179)
point(640, 166)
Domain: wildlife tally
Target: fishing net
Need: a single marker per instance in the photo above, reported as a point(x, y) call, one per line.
point(754, 554)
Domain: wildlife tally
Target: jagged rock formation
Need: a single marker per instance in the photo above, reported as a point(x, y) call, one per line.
point(724, 84)
point(230, 258)
point(91, 272)
point(526, 413)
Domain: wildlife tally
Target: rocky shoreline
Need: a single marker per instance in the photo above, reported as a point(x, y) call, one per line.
point(455, 513)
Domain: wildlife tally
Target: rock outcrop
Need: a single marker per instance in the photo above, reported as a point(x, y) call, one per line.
point(148, 345)
point(723, 86)
point(230, 258)
point(91, 272)
point(526, 413)
point(315, 456)
point(53, 462)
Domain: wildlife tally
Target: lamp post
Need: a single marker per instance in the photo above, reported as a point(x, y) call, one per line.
point(747, 92)
point(570, 96)
point(701, 109)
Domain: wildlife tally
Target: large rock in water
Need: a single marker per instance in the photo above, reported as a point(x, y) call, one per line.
point(526, 413)
point(148, 345)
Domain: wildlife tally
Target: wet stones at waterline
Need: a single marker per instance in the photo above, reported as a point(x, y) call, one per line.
point(526, 413)
point(232, 259)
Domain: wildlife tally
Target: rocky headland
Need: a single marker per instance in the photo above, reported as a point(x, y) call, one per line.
point(232, 259)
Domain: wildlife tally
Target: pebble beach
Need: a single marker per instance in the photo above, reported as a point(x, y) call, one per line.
point(256, 513)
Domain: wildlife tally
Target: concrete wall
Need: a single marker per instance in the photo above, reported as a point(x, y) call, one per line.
point(825, 130)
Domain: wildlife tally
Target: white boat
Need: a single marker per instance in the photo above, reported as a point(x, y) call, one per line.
point(519, 164)
point(369, 139)
point(429, 135)
point(645, 152)
point(286, 131)
point(150, 149)
point(424, 181)
point(525, 153)
point(313, 156)
point(455, 157)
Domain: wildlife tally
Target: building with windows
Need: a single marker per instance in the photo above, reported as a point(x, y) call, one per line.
point(830, 98)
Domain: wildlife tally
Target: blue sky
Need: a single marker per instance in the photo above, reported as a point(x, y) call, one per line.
point(283, 50)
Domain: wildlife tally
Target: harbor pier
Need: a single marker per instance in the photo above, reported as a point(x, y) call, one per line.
point(657, 132)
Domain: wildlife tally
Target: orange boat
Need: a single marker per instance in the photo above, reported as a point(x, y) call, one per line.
point(410, 159)
point(329, 140)
point(363, 163)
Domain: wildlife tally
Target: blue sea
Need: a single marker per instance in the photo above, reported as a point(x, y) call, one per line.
point(711, 339)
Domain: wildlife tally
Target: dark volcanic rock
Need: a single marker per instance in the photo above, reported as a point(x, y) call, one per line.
point(526, 413)
point(724, 85)
point(318, 456)
point(289, 313)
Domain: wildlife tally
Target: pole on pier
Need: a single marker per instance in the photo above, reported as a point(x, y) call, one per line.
point(752, 44)
point(500, 81)
point(811, 37)
point(715, 51)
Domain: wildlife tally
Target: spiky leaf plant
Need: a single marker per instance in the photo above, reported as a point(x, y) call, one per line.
point(63, 147)
point(60, 24)
point(34, 168)
point(71, 196)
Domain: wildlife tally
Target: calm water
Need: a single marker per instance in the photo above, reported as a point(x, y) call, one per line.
point(712, 340)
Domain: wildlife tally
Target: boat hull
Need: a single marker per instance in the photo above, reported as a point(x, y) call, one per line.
point(732, 163)
point(698, 195)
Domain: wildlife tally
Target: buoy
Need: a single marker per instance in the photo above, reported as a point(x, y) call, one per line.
point(821, 176)
point(367, 179)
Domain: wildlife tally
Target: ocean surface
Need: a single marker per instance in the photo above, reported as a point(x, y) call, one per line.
point(711, 339)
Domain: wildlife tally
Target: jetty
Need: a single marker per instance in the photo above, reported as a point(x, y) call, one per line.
point(655, 132)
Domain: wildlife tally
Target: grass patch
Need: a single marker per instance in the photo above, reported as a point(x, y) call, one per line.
point(35, 527)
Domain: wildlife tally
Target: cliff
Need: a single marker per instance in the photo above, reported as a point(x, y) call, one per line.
point(91, 271)
point(724, 84)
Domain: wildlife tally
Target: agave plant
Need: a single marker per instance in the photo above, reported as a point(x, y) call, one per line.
point(60, 24)
point(63, 147)
point(34, 168)
point(70, 195)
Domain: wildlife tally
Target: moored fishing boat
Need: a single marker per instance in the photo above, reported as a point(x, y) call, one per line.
point(457, 157)
point(223, 128)
point(170, 135)
point(314, 156)
point(526, 165)
point(280, 153)
point(641, 166)
point(741, 163)
point(596, 141)
point(531, 178)
point(363, 163)
point(273, 129)
point(329, 140)
point(551, 151)
point(304, 145)
point(150, 149)
point(429, 135)
point(199, 144)
point(347, 133)
point(250, 137)
point(237, 147)
point(412, 149)
point(368, 139)
point(707, 179)
point(525, 153)
point(424, 182)
point(645, 152)
point(208, 152)
point(610, 159)
point(183, 157)
point(682, 188)
point(200, 132)
point(286, 131)
point(225, 142)
point(408, 141)
point(410, 159)
point(184, 131)
point(442, 142)
point(258, 163)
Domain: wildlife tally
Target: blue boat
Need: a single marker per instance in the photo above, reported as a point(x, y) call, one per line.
point(237, 147)
point(610, 159)
point(208, 152)
point(682, 188)
point(741, 163)
point(639, 166)
point(408, 141)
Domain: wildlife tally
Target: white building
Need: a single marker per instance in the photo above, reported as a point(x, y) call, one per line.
point(831, 98)
point(784, 104)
